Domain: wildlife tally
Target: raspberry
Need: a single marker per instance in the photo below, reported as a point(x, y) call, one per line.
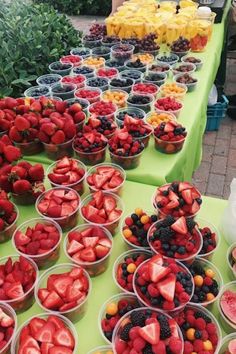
point(152, 290)
point(204, 335)
point(188, 347)
point(175, 345)
point(139, 344)
point(184, 297)
point(159, 348)
point(179, 287)
point(168, 305)
point(191, 320)
point(200, 323)
point(211, 328)
point(134, 333)
point(198, 345)
point(207, 281)
point(214, 339)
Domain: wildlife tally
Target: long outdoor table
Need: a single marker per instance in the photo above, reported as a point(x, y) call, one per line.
point(134, 195)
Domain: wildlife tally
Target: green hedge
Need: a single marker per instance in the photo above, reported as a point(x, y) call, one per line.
point(31, 37)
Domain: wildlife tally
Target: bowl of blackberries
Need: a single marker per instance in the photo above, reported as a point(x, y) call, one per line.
point(115, 64)
point(83, 70)
point(167, 58)
point(81, 51)
point(48, 79)
point(188, 80)
point(124, 84)
point(92, 40)
point(122, 52)
point(98, 82)
point(143, 102)
point(180, 47)
point(134, 74)
point(62, 69)
point(64, 91)
point(103, 52)
point(155, 78)
point(135, 113)
point(109, 41)
point(37, 91)
point(192, 60)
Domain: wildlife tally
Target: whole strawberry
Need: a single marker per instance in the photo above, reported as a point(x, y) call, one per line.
point(8, 152)
point(8, 214)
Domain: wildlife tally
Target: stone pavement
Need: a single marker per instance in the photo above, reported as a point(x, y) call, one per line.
point(218, 165)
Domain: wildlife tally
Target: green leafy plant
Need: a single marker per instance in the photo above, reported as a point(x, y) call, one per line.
point(31, 36)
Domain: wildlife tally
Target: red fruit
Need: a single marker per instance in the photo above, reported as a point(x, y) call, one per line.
point(180, 226)
point(175, 345)
point(151, 333)
point(54, 211)
point(53, 301)
point(58, 323)
point(36, 172)
point(64, 338)
point(59, 350)
point(109, 204)
point(15, 291)
point(45, 347)
point(101, 251)
point(88, 255)
point(43, 294)
point(6, 208)
point(157, 271)
point(167, 287)
point(21, 186)
point(59, 137)
point(61, 283)
point(187, 196)
point(48, 128)
point(10, 102)
point(74, 247)
point(45, 333)
point(11, 153)
point(21, 123)
point(36, 324)
point(73, 294)
point(18, 171)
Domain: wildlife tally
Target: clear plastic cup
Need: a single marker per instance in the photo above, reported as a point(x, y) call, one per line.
point(147, 303)
point(75, 313)
point(110, 226)
point(150, 78)
point(134, 112)
point(6, 234)
point(188, 260)
point(8, 310)
point(129, 298)
point(190, 68)
point(96, 98)
point(175, 59)
point(24, 302)
point(145, 107)
point(37, 91)
point(83, 70)
point(205, 223)
point(105, 43)
point(120, 103)
point(69, 325)
point(61, 69)
point(125, 319)
point(103, 52)
point(176, 95)
point(153, 123)
point(108, 116)
point(56, 152)
point(93, 268)
point(227, 323)
point(74, 80)
point(136, 89)
point(197, 64)
point(27, 198)
point(180, 54)
point(146, 253)
point(105, 349)
point(124, 88)
point(223, 349)
point(64, 91)
point(66, 222)
point(158, 68)
point(114, 64)
point(232, 268)
point(43, 260)
point(208, 265)
point(134, 74)
point(30, 148)
point(77, 186)
point(81, 51)
point(115, 75)
point(168, 147)
point(67, 59)
point(82, 101)
point(190, 86)
point(117, 190)
point(145, 138)
point(103, 87)
point(175, 112)
point(92, 43)
point(126, 162)
point(91, 63)
point(129, 65)
point(199, 33)
point(122, 52)
point(91, 158)
point(149, 54)
point(48, 79)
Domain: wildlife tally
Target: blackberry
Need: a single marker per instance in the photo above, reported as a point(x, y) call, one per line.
point(166, 233)
point(198, 334)
point(147, 349)
point(138, 318)
point(153, 218)
point(175, 186)
point(168, 221)
point(190, 224)
point(125, 332)
point(185, 326)
point(199, 314)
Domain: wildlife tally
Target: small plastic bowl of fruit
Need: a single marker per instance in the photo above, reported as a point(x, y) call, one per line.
point(59, 68)
point(186, 79)
point(146, 58)
point(181, 68)
point(39, 239)
point(135, 64)
point(57, 151)
point(231, 260)
point(94, 62)
point(112, 310)
point(64, 289)
point(173, 90)
point(114, 64)
point(92, 41)
point(81, 51)
point(105, 349)
point(67, 172)
point(148, 328)
point(169, 137)
point(135, 226)
point(9, 227)
point(99, 82)
point(109, 41)
point(109, 73)
point(159, 68)
point(125, 266)
point(37, 91)
point(60, 204)
point(122, 83)
point(78, 80)
point(103, 52)
point(155, 78)
point(145, 88)
point(226, 306)
point(102, 208)
point(48, 79)
point(122, 52)
point(156, 118)
point(208, 282)
point(143, 102)
point(106, 176)
point(83, 70)
point(91, 95)
point(228, 344)
point(82, 101)
point(46, 332)
point(75, 60)
point(184, 248)
point(168, 105)
point(117, 96)
point(23, 273)
point(138, 129)
point(170, 59)
point(64, 91)
point(193, 60)
point(8, 325)
point(200, 329)
point(164, 284)
point(103, 109)
point(134, 74)
point(90, 247)
point(133, 112)
point(210, 236)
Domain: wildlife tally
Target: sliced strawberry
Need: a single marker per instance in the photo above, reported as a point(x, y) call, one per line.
point(151, 333)
point(184, 185)
point(167, 287)
point(109, 203)
point(99, 180)
point(172, 195)
point(35, 325)
point(168, 128)
point(64, 337)
point(157, 259)
point(101, 251)
point(45, 333)
point(90, 241)
point(78, 284)
point(15, 291)
point(43, 294)
point(58, 323)
point(61, 283)
point(53, 301)
point(105, 242)
point(68, 306)
point(88, 255)
point(114, 215)
point(73, 294)
point(173, 328)
point(98, 198)
point(27, 341)
point(89, 211)
point(64, 162)
point(58, 178)
point(102, 213)
point(31, 350)
point(76, 273)
point(87, 232)
point(66, 209)
point(195, 207)
point(173, 204)
point(71, 195)
point(157, 272)
point(60, 350)
point(74, 247)
point(45, 347)
point(21, 239)
point(180, 226)
point(115, 182)
point(187, 196)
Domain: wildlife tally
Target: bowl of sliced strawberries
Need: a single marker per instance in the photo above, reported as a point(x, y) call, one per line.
point(64, 289)
point(90, 247)
point(8, 324)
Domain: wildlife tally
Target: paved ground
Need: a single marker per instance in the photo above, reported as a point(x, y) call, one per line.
point(218, 166)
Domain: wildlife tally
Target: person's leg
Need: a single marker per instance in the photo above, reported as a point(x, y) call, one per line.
point(115, 5)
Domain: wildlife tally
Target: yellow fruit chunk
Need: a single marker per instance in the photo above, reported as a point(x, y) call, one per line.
point(144, 219)
point(190, 334)
point(138, 211)
point(131, 268)
point(207, 345)
point(198, 280)
point(210, 273)
point(127, 233)
point(210, 296)
point(112, 309)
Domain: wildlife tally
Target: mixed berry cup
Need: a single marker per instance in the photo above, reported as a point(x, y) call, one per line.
point(231, 261)
point(112, 310)
point(90, 94)
point(82, 101)
point(6, 233)
point(90, 247)
point(81, 51)
point(78, 80)
point(105, 349)
point(147, 329)
point(90, 158)
point(48, 79)
point(30, 148)
point(56, 322)
point(211, 239)
point(109, 225)
point(103, 109)
point(126, 162)
point(168, 147)
point(46, 257)
point(61, 69)
point(73, 310)
point(208, 282)
point(134, 112)
point(226, 306)
point(78, 185)
point(109, 182)
point(67, 221)
point(227, 345)
point(56, 152)
point(20, 301)
point(155, 118)
point(8, 329)
point(123, 272)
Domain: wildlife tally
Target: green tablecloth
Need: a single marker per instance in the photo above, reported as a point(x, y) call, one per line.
point(134, 195)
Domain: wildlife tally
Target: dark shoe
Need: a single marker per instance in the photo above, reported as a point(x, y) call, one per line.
point(231, 112)
point(232, 100)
